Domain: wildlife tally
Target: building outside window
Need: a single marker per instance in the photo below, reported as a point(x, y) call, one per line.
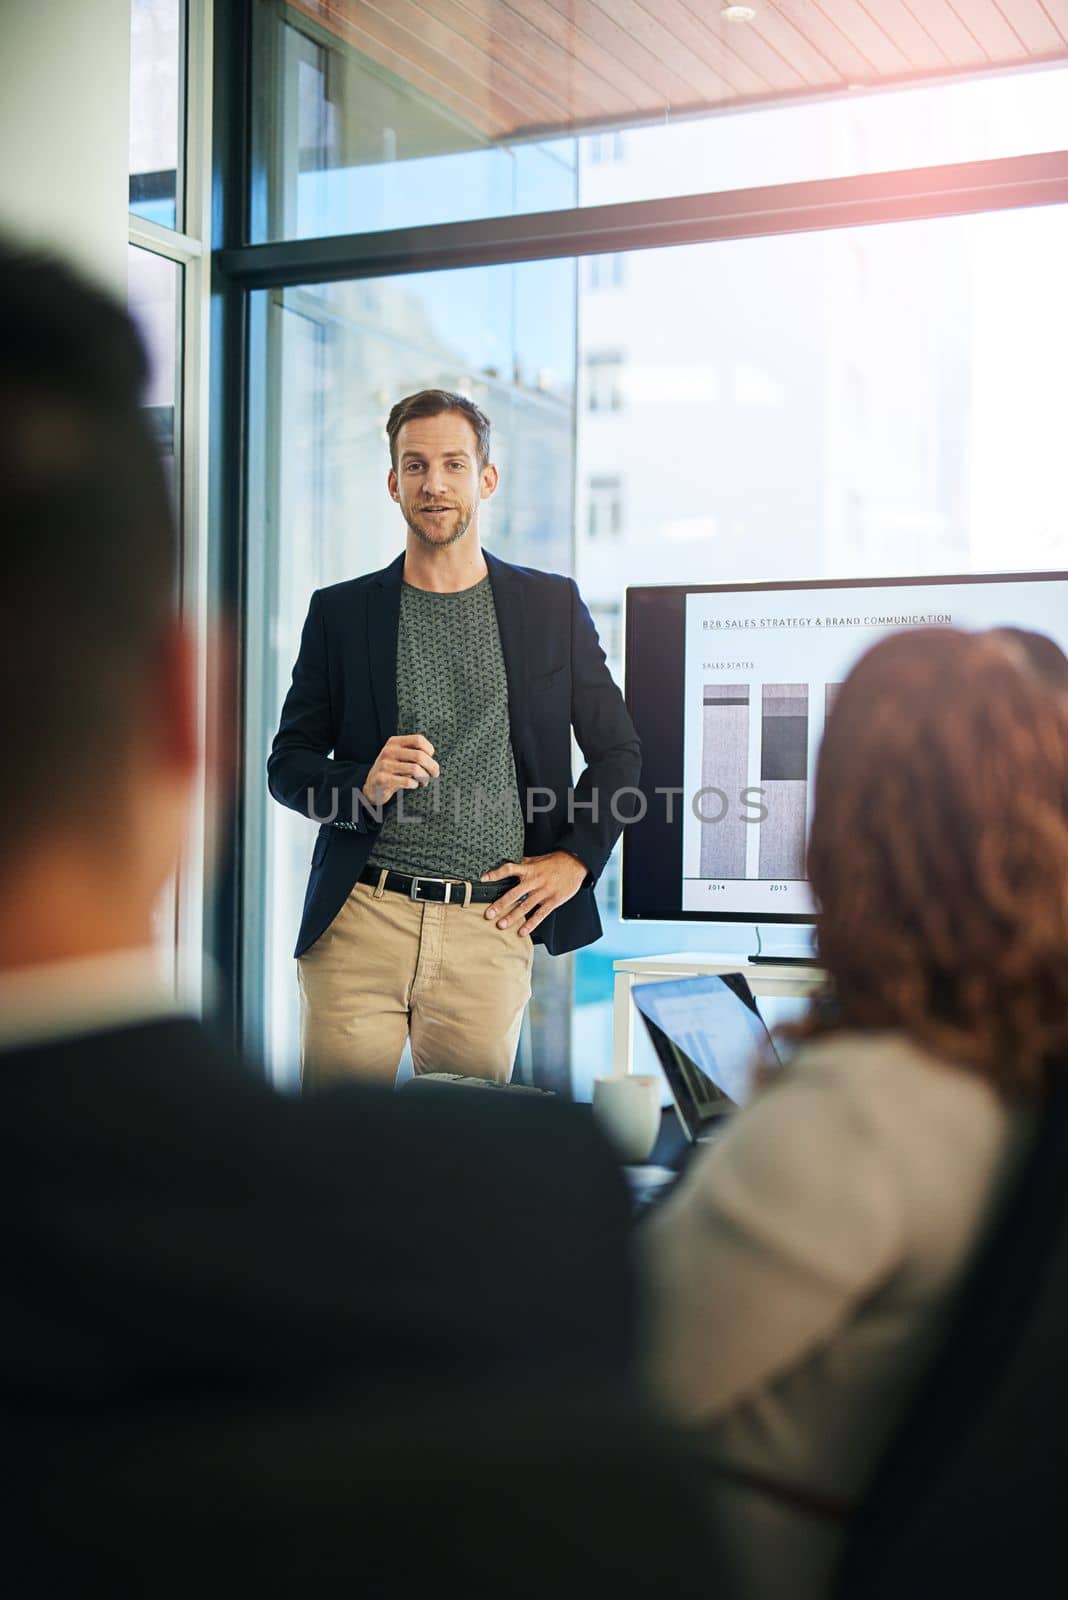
point(604, 381)
point(605, 502)
point(605, 272)
point(605, 147)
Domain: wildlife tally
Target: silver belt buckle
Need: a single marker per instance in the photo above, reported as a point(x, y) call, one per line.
point(413, 892)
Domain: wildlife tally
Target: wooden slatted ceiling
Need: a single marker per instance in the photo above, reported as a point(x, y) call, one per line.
point(515, 67)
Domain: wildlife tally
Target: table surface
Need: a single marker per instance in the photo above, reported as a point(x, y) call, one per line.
point(690, 961)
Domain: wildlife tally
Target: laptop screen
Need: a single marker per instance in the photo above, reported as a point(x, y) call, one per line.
point(708, 1036)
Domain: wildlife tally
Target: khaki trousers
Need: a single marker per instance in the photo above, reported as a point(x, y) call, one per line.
point(389, 969)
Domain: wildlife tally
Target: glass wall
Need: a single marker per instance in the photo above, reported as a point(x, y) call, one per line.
point(157, 90)
point(876, 401)
point(169, 286)
point(365, 124)
point(155, 299)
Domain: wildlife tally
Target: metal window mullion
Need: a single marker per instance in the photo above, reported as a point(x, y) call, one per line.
point(913, 194)
point(159, 241)
point(189, 251)
point(231, 174)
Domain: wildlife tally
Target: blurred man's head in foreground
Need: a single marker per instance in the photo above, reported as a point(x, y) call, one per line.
point(95, 672)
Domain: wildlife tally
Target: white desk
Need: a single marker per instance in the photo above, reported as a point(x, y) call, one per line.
point(763, 977)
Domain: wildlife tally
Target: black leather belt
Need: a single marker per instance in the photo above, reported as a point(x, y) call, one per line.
point(446, 891)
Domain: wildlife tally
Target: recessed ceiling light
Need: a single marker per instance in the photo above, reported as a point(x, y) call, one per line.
point(738, 13)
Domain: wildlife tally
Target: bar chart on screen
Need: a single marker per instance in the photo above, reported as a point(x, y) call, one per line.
point(761, 667)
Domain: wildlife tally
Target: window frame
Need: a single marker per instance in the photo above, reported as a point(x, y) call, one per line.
point(190, 249)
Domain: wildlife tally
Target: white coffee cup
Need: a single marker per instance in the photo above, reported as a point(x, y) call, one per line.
point(626, 1106)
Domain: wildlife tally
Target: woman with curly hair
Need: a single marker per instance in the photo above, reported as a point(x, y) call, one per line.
point(803, 1267)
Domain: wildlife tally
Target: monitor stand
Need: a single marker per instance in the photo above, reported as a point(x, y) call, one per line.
point(791, 946)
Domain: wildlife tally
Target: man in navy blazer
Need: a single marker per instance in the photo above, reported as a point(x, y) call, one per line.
point(428, 731)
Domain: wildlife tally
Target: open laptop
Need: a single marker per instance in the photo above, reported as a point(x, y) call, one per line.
point(708, 1036)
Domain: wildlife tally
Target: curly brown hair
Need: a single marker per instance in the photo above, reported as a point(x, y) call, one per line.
point(939, 854)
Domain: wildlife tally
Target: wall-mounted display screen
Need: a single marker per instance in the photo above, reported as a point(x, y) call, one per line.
point(729, 686)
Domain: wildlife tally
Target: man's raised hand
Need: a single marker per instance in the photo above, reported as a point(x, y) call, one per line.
point(404, 762)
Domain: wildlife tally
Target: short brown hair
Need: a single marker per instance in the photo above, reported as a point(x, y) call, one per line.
point(432, 403)
point(939, 854)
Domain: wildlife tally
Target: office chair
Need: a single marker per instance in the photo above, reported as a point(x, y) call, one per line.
point(970, 1497)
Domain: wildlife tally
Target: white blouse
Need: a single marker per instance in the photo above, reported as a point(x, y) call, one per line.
point(798, 1276)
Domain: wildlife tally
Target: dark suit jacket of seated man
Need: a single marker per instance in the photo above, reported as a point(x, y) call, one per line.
point(445, 687)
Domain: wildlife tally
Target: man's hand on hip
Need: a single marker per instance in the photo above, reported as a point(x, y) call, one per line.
point(404, 762)
point(545, 882)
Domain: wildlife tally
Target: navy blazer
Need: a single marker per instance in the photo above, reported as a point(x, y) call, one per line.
point(342, 707)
